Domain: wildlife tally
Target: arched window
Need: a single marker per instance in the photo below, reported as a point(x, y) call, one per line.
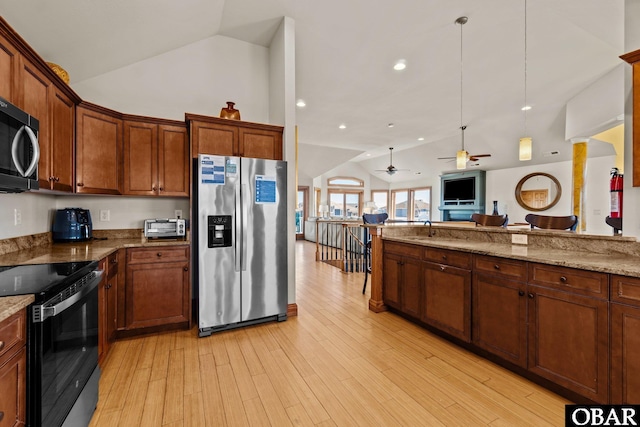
point(344, 181)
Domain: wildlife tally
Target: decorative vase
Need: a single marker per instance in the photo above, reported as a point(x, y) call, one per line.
point(61, 72)
point(495, 208)
point(229, 112)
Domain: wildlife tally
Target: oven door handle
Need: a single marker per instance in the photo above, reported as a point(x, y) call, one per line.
point(44, 311)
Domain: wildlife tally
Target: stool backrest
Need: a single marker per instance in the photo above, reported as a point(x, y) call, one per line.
point(569, 222)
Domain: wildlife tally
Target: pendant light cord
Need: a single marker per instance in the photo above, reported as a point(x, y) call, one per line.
point(462, 20)
point(526, 107)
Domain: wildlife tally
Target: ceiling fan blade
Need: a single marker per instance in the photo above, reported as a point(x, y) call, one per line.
point(445, 158)
point(477, 156)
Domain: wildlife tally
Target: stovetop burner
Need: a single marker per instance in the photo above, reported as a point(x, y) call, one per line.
point(41, 279)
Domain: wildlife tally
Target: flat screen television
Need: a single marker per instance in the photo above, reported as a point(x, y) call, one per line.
point(460, 189)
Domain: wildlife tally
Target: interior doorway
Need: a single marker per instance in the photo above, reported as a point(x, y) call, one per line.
point(302, 210)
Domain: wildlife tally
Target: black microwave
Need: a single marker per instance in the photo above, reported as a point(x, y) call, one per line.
point(19, 149)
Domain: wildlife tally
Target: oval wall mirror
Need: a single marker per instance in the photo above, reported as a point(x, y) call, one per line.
point(538, 191)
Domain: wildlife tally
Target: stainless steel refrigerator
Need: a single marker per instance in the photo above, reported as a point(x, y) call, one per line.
point(240, 241)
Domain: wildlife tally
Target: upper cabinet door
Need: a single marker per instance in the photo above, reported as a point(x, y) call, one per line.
point(63, 118)
point(98, 152)
point(214, 138)
point(9, 66)
point(140, 158)
point(173, 161)
point(261, 144)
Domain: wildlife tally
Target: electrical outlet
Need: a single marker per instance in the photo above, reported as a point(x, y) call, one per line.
point(105, 215)
point(17, 217)
point(519, 239)
point(177, 213)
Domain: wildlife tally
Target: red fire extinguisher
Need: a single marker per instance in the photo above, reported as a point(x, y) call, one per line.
point(615, 187)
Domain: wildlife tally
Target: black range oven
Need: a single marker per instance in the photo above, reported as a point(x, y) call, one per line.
point(62, 339)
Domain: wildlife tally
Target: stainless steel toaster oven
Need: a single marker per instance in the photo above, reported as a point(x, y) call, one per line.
point(165, 228)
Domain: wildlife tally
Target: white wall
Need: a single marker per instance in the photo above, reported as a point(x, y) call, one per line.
point(197, 78)
point(36, 211)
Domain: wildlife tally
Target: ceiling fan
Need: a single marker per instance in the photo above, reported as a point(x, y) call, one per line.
point(470, 157)
point(391, 169)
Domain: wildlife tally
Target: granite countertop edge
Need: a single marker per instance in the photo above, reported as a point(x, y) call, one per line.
point(614, 263)
point(11, 305)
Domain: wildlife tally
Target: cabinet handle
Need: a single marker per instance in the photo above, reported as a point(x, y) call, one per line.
point(521, 293)
point(80, 184)
point(531, 296)
point(442, 268)
point(1, 415)
point(159, 254)
point(1, 345)
point(563, 279)
point(497, 267)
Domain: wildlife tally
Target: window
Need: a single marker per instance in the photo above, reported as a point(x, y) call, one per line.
point(341, 181)
point(301, 209)
point(381, 199)
point(413, 204)
point(344, 203)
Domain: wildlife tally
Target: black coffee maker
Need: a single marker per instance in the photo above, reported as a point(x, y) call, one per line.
point(72, 225)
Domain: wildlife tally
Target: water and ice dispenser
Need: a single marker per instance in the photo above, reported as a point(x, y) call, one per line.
point(219, 231)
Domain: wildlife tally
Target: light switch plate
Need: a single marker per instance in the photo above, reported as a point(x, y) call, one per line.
point(519, 239)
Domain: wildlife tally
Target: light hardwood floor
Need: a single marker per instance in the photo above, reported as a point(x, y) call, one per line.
point(335, 364)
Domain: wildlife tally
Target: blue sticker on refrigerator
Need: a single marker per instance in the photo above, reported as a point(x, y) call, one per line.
point(265, 190)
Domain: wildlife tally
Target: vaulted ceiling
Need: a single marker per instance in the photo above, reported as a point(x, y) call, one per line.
point(345, 52)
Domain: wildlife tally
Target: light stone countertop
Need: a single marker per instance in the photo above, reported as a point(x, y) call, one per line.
point(614, 262)
point(11, 305)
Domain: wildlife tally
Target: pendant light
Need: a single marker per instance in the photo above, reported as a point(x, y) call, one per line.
point(461, 155)
point(525, 149)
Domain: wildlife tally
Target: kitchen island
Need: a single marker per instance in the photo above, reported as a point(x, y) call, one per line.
point(562, 310)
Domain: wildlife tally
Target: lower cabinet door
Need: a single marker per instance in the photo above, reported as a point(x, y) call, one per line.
point(391, 280)
point(447, 299)
point(569, 341)
point(157, 294)
point(500, 317)
point(410, 287)
point(13, 390)
point(625, 348)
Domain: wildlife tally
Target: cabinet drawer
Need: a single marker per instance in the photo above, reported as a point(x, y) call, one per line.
point(589, 283)
point(445, 256)
point(513, 269)
point(625, 290)
point(413, 251)
point(160, 253)
point(12, 335)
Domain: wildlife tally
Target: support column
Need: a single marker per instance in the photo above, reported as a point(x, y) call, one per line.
point(579, 174)
point(376, 302)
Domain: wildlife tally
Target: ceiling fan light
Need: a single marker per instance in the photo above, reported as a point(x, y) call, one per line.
point(461, 159)
point(525, 150)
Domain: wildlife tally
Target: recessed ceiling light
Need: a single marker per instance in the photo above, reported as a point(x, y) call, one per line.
point(301, 103)
point(342, 126)
point(526, 108)
point(390, 125)
point(400, 65)
point(421, 139)
point(368, 155)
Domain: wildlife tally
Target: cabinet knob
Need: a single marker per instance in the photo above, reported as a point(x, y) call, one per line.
point(444, 257)
point(563, 279)
point(442, 268)
point(51, 178)
point(80, 184)
point(521, 293)
point(159, 254)
point(114, 261)
point(57, 178)
point(497, 267)
point(1, 415)
point(1, 345)
point(154, 188)
point(186, 269)
point(531, 295)
point(161, 188)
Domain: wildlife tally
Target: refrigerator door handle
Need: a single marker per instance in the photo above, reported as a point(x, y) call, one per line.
point(245, 208)
point(238, 231)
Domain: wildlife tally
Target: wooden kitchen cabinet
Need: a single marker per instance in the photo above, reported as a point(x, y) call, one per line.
point(13, 376)
point(9, 69)
point(625, 340)
point(157, 288)
point(225, 137)
point(499, 311)
point(107, 303)
point(402, 277)
point(56, 169)
point(98, 150)
point(156, 158)
point(446, 297)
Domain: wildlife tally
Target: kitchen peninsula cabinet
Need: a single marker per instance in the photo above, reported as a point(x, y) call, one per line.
point(402, 277)
point(625, 340)
point(156, 158)
point(98, 150)
point(157, 289)
point(225, 137)
point(446, 297)
point(13, 364)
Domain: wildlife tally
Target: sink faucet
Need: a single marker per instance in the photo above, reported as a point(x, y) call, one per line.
point(429, 222)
